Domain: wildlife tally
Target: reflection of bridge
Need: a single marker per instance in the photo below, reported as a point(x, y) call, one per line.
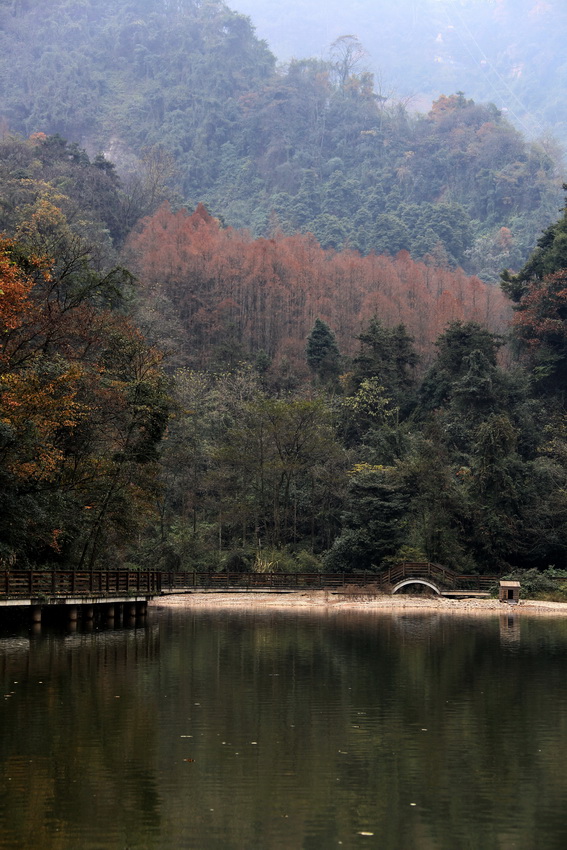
point(76, 589)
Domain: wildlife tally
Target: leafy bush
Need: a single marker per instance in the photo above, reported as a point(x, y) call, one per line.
point(286, 561)
point(307, 562)
point(409, 554)
point(239, 561)
point(541, 584)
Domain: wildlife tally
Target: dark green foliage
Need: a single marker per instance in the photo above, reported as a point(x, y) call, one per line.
point(323, 356)
point(466, 354)
point(536, 583)
point(374, 521)
point(540, 324)
point(386, 354)
point(390, 235)
point(138, 74)
point(549, 256)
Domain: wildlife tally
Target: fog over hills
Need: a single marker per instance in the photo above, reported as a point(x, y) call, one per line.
point(187, 96)
point(509, 52)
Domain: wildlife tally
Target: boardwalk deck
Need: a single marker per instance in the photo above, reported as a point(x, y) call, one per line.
point(466, 594)
point(83, 589)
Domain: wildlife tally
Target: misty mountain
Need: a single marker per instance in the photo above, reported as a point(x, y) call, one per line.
point(316, 146)
point(509, 52)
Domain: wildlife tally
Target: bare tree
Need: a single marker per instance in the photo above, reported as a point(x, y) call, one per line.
point(346, 55)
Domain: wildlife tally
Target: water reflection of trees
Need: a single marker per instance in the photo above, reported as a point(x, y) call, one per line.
point(244, 730)
point(423, 709)
point(72, 761)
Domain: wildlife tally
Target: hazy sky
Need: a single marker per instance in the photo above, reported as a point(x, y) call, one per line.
point(287, 32)
point(303, 28)
point(418, 49)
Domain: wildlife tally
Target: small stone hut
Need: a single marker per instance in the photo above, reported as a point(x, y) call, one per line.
point(509, 592)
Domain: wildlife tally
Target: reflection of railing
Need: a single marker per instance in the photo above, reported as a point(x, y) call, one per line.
point(61, 583)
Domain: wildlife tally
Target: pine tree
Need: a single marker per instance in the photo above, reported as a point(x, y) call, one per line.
point(323, 356)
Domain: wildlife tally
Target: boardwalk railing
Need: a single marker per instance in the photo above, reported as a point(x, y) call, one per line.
point(442, 576)
point(251, 581)
point(407, 569)
point(61, 583)
point(52, 583)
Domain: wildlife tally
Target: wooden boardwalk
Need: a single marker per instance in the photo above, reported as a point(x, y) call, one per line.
point(81, 592)
point(76, 593)
point(103, 584)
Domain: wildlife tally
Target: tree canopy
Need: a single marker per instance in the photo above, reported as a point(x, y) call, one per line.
point(313, 146)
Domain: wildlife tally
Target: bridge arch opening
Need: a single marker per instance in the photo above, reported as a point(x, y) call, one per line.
point(422, 581)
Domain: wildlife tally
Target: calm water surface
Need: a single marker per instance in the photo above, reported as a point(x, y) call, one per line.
point(244, 730)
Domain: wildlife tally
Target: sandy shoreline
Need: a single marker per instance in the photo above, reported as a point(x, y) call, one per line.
point(326, 601)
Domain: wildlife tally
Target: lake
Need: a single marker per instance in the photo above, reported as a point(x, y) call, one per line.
point(274, 730)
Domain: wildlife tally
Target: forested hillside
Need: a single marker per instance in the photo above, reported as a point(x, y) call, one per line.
point(217, 412)
point(225, 297)
point(313, 147)
point(250, 344)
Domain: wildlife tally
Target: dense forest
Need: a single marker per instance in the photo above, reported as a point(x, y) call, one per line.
point(261, 296)
point(251, 343)
point(254, 404)
point(312, 147)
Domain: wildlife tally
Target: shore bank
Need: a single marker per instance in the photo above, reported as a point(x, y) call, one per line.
point(322, 600)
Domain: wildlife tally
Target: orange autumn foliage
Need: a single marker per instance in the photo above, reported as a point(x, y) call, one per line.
point(38, 409)
point(15, 288)
point(267, 293)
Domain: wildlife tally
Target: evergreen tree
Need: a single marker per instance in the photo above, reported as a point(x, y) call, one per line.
point(374, 521)
point(387, 354)
point(460, 342)
point(323, 356)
